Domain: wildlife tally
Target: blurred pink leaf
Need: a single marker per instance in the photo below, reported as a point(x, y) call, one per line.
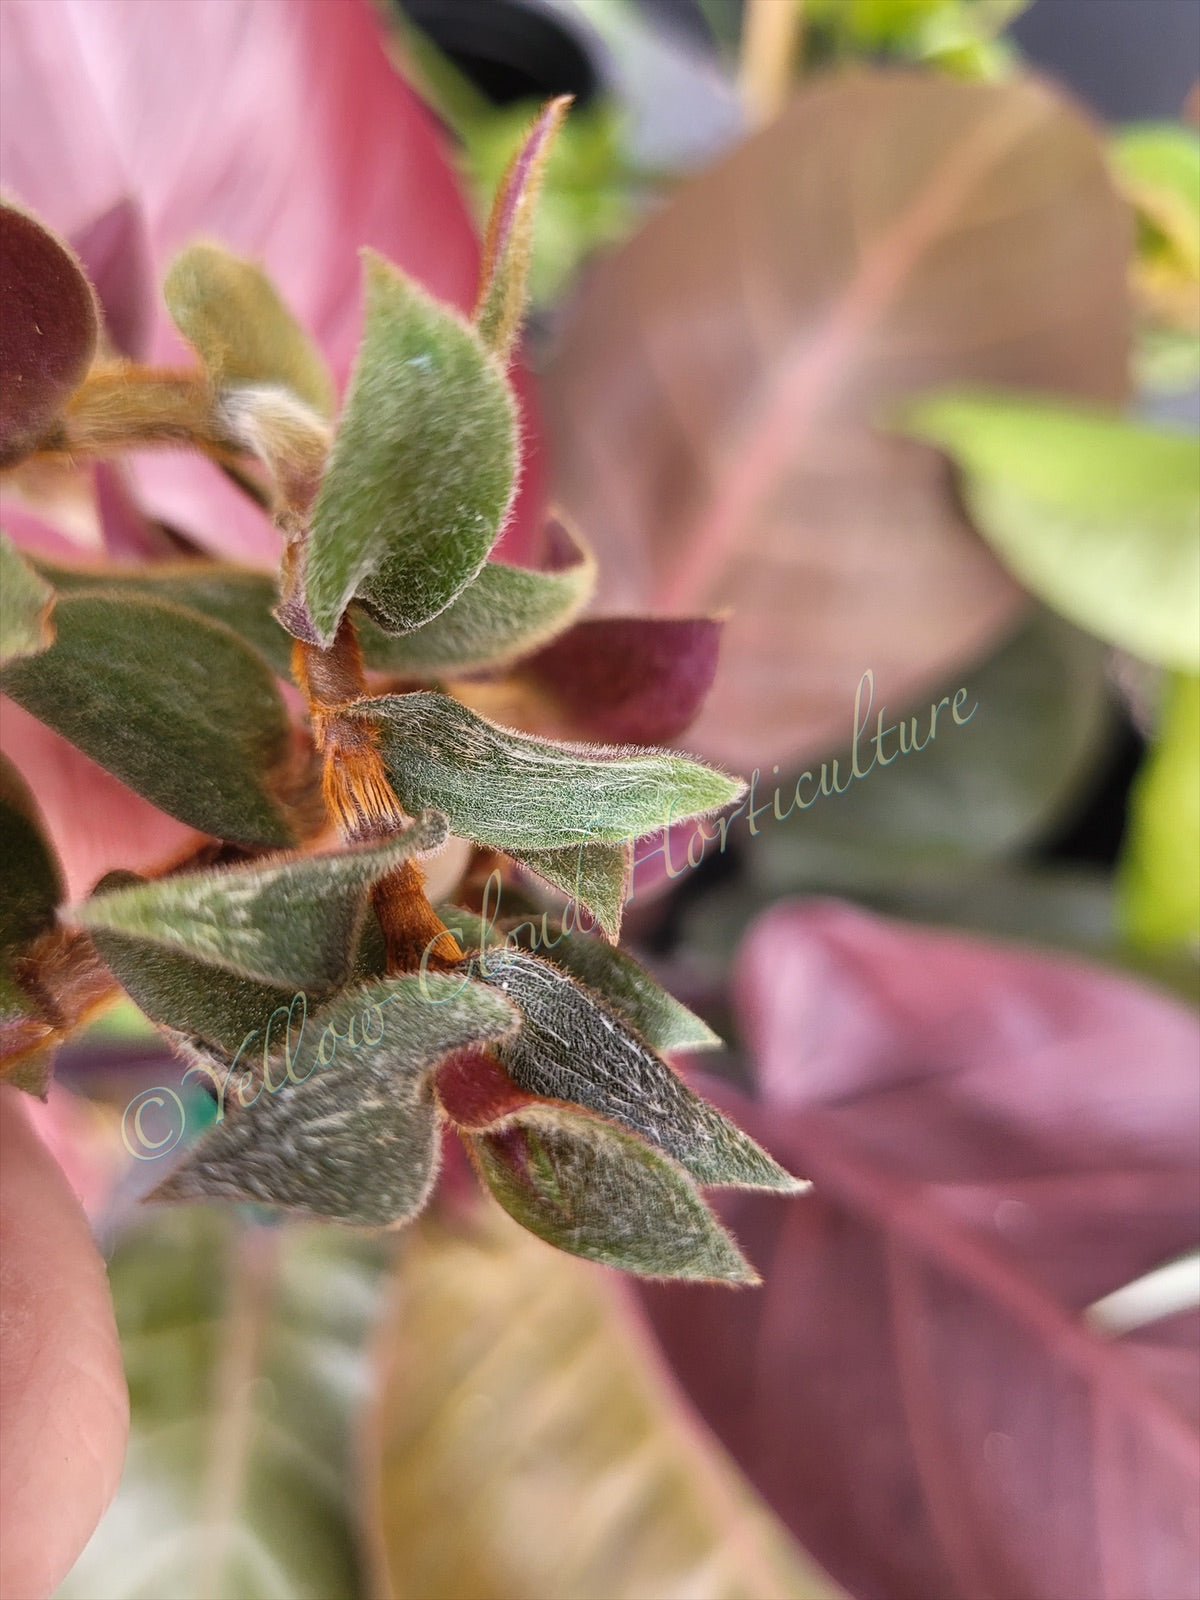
point(713, 399)
point(997, 1139)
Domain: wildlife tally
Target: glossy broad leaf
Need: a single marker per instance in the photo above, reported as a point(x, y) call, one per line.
point(515, 792)
point(516, 1393)
point(574, 1048)
point(48, 334)
point(1098, 516)
point(243, 1352)
point(422, 470)
point(1159, 871)
point(592, 876)
point(346, 1129)
point(25, 606)
point(591, 1190)
point(997, 1139)
point(287, 921)
point(715, 396)
point(174, 705)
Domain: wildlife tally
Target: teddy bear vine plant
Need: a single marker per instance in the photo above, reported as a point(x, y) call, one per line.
point(338, 1016)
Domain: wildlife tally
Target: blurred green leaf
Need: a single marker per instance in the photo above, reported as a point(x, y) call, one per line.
point(961, 37)
point(574, 1048)
point(232, 315)
point(174, 705)
point(517, 792)
point(33, 885)
point(1158, 164)
point(242, 1349)
point(1099, 517)
point(422, 469)
point(342, 1125)
point(1159, 871)
point(26, 626)
point(591, 1190)
point(519, 1409)
point(289, 921)
point(594, 876)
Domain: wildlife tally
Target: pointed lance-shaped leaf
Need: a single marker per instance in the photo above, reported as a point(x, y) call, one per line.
point(519, 793)
point(289, 921)
point(26, 601)
point(422, 470)
point(573, 1047)
point(508, 244)
point(346, 1128)
point(598, 1192)
point(48, 331)
point(173, 704)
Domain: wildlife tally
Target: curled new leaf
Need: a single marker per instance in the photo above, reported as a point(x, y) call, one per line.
point(48, 331)
point(25, 605)
point(287, 921)
point(517, 792)
point(346, 1129)
point(600, 1193)
point(422, 470)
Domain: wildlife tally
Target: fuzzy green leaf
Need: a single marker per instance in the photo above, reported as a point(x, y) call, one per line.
point(1099, 517)
point(422, 470)
point(174, 705)
point(346, 1128)
point(48, 330)
point(1159, 871)
point(232, 315)
point(597, 1192)
point(33, 885)
point(594, 876)
point(288, 921)
point(516, 792)
point(26, 602)
point(573, 1047)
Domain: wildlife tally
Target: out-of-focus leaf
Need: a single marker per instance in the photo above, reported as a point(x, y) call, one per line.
point(574, 1048)
point(346, 1129)
point(291, 920)
point(26, 602)
point(242, 1351)
point(422, 470)
point(1160, 865)
point(516, 792)
point(232, 315)
point(48, 333)
point(174, 705)
point(716, 387)
point(997, 1140)
point(591, 1190)
point(508, 243)
point(1098, 516)
point(594, 876)
point(1158, 166)
point(33, 885)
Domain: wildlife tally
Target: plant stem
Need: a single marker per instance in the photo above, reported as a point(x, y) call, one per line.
point(770, 40)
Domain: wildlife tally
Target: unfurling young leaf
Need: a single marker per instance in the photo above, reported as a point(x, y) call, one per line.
point(600, 1193)
point(291, 920)
point(26, 602)
point(346, 1130)
point(572, 1047)
point(516, 792)
point(422, 470)
point(174, 705)
point(48, 330)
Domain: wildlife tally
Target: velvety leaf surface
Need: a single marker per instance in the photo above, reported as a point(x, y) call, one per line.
point(48, 334)
point(515, 792)
point(713, 397)
point(1098, 516)
point(594, 876)
point(33, 886)
point(347, 1129)
point(169, 702)
point(25, 606)
point(517, 1394)
point(997, 1139)
point(242, 1352)
point(290, 920)
point(1160, 863)
point(232, 315)
point(572, 1047)
point(422, 470)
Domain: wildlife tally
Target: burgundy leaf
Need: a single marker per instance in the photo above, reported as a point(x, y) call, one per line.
point(997, 1139)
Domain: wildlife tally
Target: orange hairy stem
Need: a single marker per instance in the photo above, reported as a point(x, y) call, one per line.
point(362, 802)
point(124, 406)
